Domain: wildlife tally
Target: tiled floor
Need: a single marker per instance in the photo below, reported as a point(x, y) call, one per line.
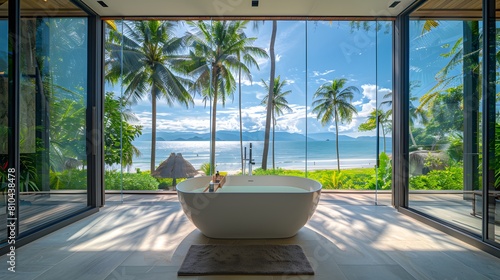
point(147, 237)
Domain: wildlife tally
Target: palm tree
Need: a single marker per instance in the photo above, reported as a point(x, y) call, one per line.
point(279, 102)
point(415, 115)
point(272, 74)
point(216, 50)
point(149, 52)
point(333, 103)
point(384, 120)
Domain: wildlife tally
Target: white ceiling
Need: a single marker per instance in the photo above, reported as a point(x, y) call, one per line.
point(283, 8)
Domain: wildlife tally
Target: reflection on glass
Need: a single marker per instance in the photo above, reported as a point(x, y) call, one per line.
point(494, 206)
point(53, 173)
point(445, 83)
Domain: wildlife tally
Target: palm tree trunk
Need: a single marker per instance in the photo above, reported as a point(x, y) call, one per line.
point(337, 140)
point(270, 96)
point(412, 139)
point(213, 132)
point(274, 124)
point(153, 129)
point(241, 121)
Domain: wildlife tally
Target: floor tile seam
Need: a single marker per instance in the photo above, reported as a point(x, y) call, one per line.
point(94, 253)
point(89, 227)
point(419, 277)
point(118, 264)
point(471, 251)
point(38, 273)
point(412, 272)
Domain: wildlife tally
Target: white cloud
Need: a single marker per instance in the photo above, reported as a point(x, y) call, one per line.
point(370, 91)
point(366, 109)
point(317, 73)
point(322, 81)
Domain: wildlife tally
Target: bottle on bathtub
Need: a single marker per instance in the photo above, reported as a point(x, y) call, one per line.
point(217, 177)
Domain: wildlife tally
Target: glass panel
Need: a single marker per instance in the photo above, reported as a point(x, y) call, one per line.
point(115, 125)
point(53, 173)
point(384, 113)
point(494, 201)
point(4, 105)
point(349, 65)
point(445, 84)
point(188, 129)
point(287, 123)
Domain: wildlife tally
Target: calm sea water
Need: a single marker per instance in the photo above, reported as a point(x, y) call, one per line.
point(289, 154)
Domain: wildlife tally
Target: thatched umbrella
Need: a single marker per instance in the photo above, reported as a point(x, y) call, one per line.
point(175, 166)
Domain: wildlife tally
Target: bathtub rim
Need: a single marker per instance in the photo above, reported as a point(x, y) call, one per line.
point(314, 187)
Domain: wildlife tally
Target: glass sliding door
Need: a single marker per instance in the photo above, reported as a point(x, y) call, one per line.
point(4, 108)
point(383, 115)
point(493, 189)
point(349, 68)
point(52, 121)
point(446, 170)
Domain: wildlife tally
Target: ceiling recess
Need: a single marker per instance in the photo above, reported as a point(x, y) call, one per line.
point(102, 4)
point(394, 4)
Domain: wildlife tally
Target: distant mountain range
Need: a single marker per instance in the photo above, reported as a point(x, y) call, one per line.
point(247, 136)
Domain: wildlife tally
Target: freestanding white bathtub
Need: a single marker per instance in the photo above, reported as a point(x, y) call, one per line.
point(250, 206)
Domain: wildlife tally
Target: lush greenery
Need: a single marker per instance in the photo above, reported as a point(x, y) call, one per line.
point(144, 57)
point(449, 179)
point(119, 133)
point(131, 181)
point(74, 179)
point(150, 60)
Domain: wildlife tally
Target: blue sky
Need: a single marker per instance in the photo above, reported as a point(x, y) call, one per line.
point(333, 51)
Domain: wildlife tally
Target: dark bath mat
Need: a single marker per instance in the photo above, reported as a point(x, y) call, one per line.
point(226, 259)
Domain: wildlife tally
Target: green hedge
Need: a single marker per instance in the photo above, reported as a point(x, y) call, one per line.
point(349, 179)
point(131, 181)
point(77, 180)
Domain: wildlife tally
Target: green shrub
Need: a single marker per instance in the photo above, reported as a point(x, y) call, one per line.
point(449, 179)
point(384, 174)
point(164, 185)
point(77, 180)
point(205, 167)
point(347, 179)
point(278, 171)
point(72, 179)
point(131, 181)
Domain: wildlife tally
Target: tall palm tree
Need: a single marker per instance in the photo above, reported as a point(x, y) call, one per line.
point(272, 74)
point(217, 49)
point(333, 104)
point(150, 65)
point(279, 102)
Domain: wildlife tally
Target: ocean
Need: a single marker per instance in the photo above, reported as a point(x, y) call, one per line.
point(297, 155)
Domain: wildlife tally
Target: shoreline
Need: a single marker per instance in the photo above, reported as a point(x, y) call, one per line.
point(231, 169)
